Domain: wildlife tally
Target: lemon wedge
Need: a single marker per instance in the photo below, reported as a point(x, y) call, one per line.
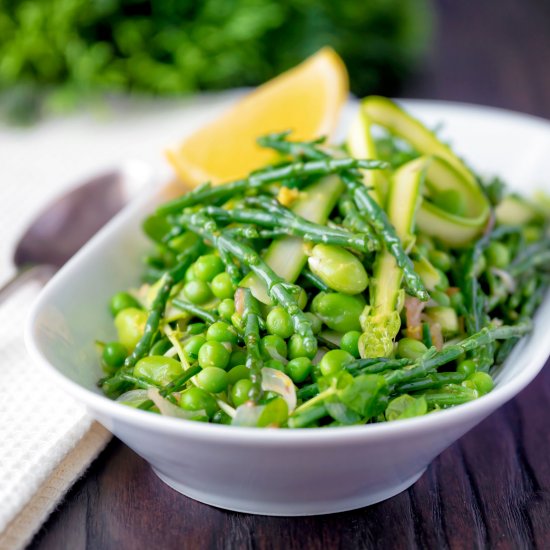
point(306, 99)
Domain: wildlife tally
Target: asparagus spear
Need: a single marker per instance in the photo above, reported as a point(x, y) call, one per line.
point(286, 222)
point(156, 312)
point(251, 320)
point(207, 194)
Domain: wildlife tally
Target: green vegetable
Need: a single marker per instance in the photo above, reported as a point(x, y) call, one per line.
point(380, 321)
point(369, 352)
point(213, 354)
point(338, 269)
point(81, 50)
point(158, 369)
point(122, 300)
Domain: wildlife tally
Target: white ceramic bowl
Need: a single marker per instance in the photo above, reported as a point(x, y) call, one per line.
point(281, 472)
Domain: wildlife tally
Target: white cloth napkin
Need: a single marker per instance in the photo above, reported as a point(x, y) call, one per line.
point(46, 438)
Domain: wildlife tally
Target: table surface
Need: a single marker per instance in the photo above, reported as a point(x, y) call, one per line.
point(490, 489)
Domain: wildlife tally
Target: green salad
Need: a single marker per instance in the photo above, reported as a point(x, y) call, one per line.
point(372, 281)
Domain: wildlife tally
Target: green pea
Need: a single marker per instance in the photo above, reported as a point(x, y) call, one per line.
point(160, 347)
point(221, 332)
point(497, 255)
point(482, 382)
point(212, 379)
point(279, 322)
point(213, 354)
point(440, 259)
point(208, 266)
point(296, 348)
point(339, 312)
point(350, 342)
point(190, 275)
point(273, 347)
point(226, 309)
point(238, 373)
point(275, 413)
point(222, 286)
point(130, 324)
point(440, 297)
point(316, 323)
point(334, 361)
point(196, 399)
point(338, 269)
point(409, 348)
point(158, 369)
point(466, 367)
point(122, 300)
point(275, 364)
point(298, 369)
point(114, 354)
point(197, 291)
point(238, 357)
point(192, 346)
point(240, 392)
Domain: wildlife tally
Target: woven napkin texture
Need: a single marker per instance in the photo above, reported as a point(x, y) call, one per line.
point(45, 437)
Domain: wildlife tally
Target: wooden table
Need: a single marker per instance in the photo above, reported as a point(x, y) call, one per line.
point(491, 489)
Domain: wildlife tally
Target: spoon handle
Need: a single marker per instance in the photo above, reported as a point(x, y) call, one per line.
point(22, 276)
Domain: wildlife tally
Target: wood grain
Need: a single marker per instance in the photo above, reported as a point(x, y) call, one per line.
point(489, 490)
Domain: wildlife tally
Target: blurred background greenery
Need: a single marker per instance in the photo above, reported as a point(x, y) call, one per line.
point(58, 54)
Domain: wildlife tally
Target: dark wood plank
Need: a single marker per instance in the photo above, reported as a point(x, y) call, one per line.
point(491, 489)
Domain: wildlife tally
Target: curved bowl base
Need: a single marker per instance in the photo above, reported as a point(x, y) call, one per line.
point(294, 508)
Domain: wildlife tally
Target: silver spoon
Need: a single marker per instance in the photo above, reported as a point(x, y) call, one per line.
point(67, 223)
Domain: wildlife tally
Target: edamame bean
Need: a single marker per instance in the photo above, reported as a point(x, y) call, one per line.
point(158, 369)
point(338, 269)
point(213, 354)
point(130, 323)
point(279, 323)
point(339, 312)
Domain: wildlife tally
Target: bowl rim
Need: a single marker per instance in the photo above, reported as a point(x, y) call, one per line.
point(473, 411)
